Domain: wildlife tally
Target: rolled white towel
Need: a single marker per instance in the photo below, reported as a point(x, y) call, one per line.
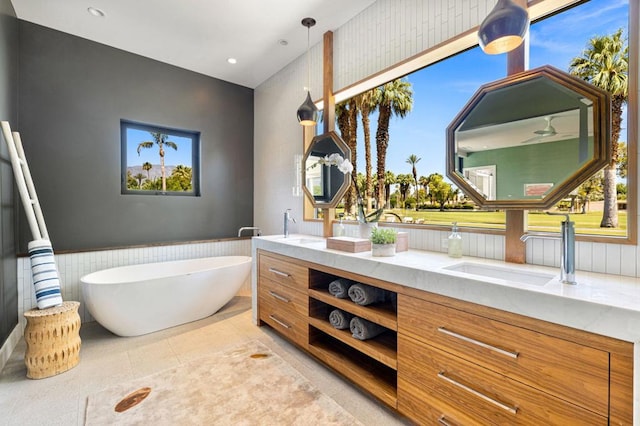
point(46, 280)
point(363, 294)
point(363, 329)
point(340, 319)
point(340, 287)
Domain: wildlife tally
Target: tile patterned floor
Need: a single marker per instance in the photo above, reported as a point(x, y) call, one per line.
point(107, 359)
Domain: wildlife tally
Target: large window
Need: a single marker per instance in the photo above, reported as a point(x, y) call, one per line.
point(159, 160)
point(417, 189)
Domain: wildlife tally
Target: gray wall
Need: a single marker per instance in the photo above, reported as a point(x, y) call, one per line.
point(73, 93)
point(8, 112)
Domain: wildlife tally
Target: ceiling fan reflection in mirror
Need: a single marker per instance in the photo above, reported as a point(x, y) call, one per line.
point(549, 130)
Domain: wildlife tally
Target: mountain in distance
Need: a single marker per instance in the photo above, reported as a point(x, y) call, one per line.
point(153, 173)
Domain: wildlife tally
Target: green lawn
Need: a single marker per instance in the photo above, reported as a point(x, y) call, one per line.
point(588, 223)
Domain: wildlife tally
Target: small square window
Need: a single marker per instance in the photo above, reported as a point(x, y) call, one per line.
point(159, 160)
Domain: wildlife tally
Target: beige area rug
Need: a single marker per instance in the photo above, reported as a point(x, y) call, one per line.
point(245, 385)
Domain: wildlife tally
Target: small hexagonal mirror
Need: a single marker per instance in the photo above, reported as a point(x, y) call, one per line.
point(324, 184)
point(528, 140)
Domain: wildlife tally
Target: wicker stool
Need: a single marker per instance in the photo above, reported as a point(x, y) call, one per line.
point(53, 340)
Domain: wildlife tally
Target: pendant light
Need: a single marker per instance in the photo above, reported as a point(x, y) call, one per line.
point(504, 28)
point(307, 112)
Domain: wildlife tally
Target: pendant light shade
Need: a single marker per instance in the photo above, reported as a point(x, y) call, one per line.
point(308, 112)
point(504, 28)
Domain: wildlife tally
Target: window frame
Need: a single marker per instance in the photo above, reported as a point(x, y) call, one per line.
point(538, 10)
point(193, 135)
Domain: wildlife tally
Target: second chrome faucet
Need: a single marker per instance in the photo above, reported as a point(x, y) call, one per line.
point(568, 248)
point(287, 219)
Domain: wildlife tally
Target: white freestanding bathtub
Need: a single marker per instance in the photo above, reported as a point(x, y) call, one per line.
point(140, 299)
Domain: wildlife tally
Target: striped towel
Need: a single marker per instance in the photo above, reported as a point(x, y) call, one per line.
point(45, 274)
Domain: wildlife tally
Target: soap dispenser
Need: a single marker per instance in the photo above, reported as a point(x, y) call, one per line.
point(455, 242)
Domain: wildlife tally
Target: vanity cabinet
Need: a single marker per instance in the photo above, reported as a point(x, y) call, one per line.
point(282, 297)
point(371, 364)
point(442, 360)
point(476, 365)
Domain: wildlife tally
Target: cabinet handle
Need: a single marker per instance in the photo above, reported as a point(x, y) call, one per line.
point(505, 407)
point(282, 274)
point(513, 355)
point(285, 325)
point(277, 296)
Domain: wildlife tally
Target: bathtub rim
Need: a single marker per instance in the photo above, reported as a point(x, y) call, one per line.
point(87, 278)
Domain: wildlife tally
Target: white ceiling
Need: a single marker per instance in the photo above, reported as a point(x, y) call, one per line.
point(200, 35)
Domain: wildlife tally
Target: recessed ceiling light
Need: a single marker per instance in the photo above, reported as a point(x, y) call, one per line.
point(232, 60)
point(96, 12)
point(283, 42)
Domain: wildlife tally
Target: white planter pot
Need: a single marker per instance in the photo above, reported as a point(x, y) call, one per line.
point(383, 250)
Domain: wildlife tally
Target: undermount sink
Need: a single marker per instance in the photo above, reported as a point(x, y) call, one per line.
point(507, 274)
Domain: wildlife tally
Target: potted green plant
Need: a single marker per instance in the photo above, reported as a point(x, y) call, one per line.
point(383, 241)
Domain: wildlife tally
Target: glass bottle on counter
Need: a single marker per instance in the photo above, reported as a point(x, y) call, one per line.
point(455, 242)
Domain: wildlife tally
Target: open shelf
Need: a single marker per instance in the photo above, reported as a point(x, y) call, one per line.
point(372, 376)
point(382, 348)
point(383, 314)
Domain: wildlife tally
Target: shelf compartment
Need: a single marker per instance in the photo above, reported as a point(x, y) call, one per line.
point(372, 376)
point(382, 348)
point(383, 314)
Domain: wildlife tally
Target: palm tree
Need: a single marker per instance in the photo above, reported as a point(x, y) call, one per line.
point(347, 118)
point(413, 160)
point(367, 103)
point(605, 64)
point(161, 140)
point(424, 182)
point(146, 166)
point(396, 98)
point(182, 177)
point(139, 178)
point(405, 182)
point(389, 179)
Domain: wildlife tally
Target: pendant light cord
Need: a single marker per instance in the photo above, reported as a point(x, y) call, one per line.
point(308, 60)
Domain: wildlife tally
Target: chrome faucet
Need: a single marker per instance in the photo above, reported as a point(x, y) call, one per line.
point(568, 253)
point(287, 219)
point(255, 229)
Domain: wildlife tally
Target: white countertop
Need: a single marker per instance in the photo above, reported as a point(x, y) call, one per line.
point(604, 304)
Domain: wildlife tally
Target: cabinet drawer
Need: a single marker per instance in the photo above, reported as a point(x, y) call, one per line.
point(284, 272)
point(283, 297)
point(462, 390)
point(284, 319)
point(576, 373)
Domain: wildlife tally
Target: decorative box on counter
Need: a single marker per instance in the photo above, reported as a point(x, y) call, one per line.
point(402, 241)
point(350, 244)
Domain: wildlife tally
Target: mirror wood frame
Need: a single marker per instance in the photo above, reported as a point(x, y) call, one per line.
point(345, 151)
point(601, 138)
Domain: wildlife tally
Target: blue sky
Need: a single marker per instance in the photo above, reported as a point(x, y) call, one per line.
point(442, 89)
point(172, 157)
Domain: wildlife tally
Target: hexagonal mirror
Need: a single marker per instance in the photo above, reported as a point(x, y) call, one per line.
point(528, 140)
point(325, 185)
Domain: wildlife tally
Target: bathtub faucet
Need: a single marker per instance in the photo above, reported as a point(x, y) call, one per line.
point(255, 229)
point(287, 219)
point(568, 248)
